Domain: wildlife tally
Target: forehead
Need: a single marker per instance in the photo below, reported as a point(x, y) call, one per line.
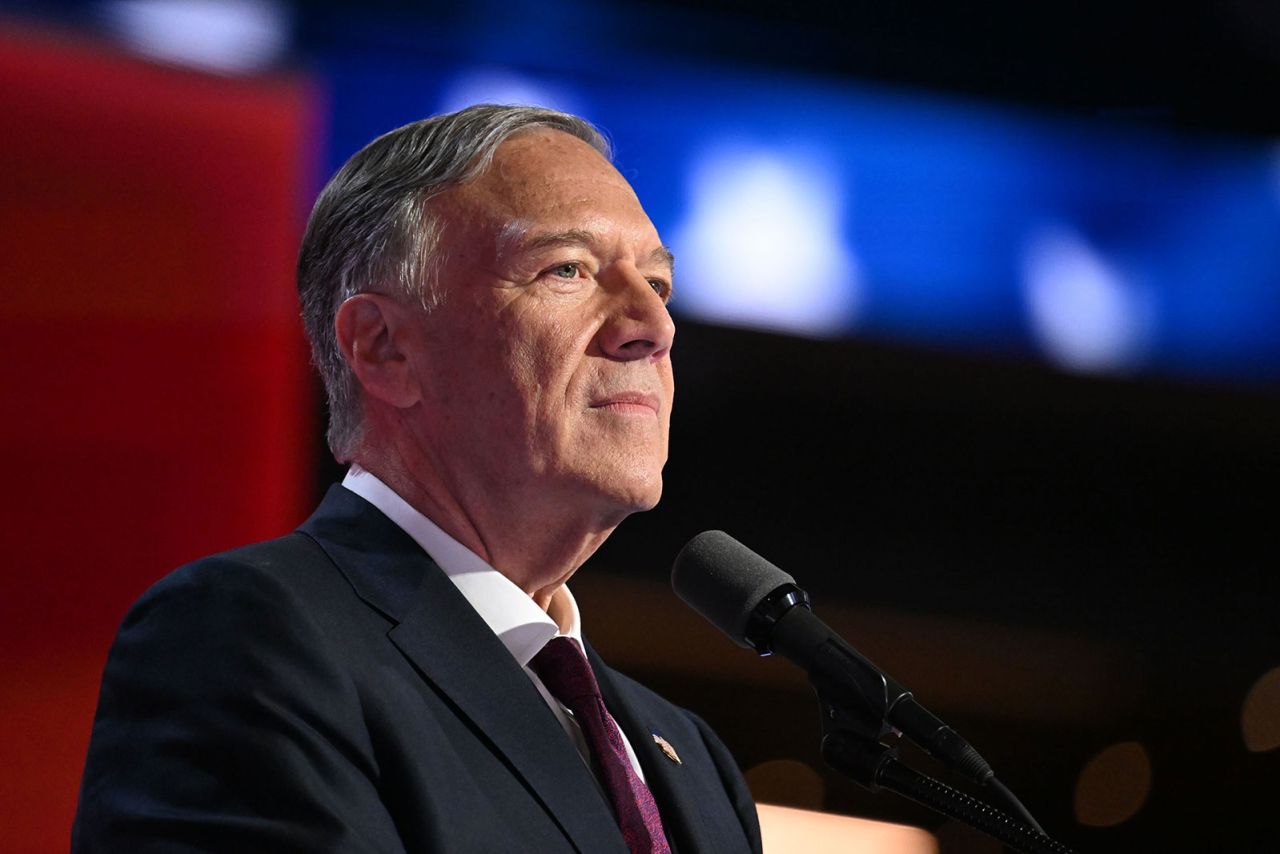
point(544, 178)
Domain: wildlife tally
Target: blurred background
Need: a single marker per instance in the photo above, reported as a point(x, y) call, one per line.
point(979, 312)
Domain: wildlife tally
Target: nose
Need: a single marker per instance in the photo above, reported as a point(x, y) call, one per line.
point(639, 325)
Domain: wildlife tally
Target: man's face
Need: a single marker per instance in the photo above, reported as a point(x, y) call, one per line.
point(547, 367)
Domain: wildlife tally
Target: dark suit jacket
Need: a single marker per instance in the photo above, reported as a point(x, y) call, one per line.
point(333, 691)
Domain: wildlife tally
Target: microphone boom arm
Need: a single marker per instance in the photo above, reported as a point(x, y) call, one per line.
point(760, 607)
point(845, 679)
point(877, 767)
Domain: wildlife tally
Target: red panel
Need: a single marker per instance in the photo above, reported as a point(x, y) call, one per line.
point(158, 403)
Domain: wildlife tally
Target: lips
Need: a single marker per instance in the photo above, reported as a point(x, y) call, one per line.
point(628, 401)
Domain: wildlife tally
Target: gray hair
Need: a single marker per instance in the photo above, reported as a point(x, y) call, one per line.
point(371, 229)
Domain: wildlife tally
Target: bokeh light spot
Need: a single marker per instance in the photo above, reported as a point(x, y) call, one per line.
point(225, 36)
point(497, 85)
point(1260, 719)
point(762, 244)
point(1114, 785)
point(1085, 314)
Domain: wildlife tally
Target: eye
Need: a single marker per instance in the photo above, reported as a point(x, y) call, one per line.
point(566, 271)
point(661, 288)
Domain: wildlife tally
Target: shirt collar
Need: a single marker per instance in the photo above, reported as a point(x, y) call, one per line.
point(514, 617)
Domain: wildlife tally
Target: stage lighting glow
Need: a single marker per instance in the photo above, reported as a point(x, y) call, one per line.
point(224, 36)
point(915, 219)
point(1085, 313)
point(494, 85)
point(761, 243)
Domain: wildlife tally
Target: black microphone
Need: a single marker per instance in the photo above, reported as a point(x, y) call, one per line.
point(760, 607)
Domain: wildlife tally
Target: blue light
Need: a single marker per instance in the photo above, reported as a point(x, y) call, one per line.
point(497, 85)
point(224, 36)
point(761, 242)
point(818, 208)
point(1086, 313)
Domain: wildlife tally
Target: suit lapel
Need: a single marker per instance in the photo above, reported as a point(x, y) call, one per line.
point(453, 648)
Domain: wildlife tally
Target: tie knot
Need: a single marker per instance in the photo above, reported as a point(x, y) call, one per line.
point(563, 668)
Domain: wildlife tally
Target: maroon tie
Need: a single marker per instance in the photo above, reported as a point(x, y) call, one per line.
point(564, 670)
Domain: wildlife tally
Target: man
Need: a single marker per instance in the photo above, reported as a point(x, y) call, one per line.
point(486, 301)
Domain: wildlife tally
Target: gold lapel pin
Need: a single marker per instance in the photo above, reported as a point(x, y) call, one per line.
point(667, 749)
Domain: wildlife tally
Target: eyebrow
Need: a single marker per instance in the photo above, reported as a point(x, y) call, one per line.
point(663, 255)
point(513, 238)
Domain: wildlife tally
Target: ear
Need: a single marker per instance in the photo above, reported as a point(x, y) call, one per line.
point(376, 335)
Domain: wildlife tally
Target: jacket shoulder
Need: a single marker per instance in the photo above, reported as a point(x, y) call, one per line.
point(281, 571)
point(226, 700)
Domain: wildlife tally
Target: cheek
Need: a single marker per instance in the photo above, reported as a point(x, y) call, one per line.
point(545, 349)
point(524, 392)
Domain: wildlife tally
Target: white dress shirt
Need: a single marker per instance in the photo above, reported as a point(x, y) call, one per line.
point(522, 626)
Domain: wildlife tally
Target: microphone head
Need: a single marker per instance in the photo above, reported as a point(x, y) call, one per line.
point(724, 581)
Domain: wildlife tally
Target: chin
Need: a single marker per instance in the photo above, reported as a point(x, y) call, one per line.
point(635, 494)
point(646, 496)
point(624, 483)
point(648, 502)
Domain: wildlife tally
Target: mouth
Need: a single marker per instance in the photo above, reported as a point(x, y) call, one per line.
point(628, 403)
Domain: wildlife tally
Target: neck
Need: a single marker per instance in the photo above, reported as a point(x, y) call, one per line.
point(527, 534)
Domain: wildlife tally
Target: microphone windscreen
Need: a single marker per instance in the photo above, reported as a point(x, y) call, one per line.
point(724, 581)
